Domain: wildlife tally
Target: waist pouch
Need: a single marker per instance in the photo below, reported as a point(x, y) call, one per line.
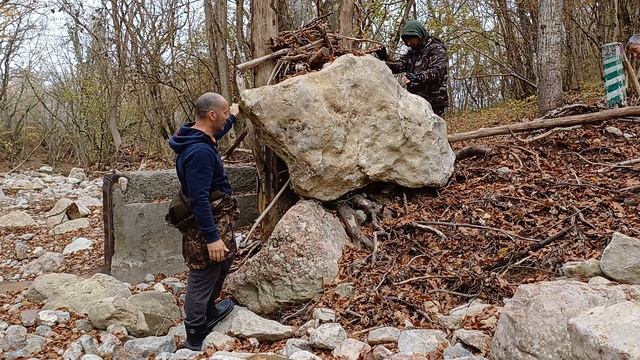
point(180, 214)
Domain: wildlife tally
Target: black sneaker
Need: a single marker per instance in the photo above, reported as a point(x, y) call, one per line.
point(222, 309)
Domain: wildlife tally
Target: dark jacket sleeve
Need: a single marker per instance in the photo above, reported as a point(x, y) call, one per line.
point(399, 66)
point(198, 175)
point(437, 65)
point(227, 126)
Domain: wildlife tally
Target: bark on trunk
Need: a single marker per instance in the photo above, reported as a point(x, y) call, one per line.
point(549, 55)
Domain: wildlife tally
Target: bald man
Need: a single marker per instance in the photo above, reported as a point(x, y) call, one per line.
point(633, 46)
point(208, 246)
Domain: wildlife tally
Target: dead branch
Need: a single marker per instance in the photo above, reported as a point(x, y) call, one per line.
point(348, 218)
point(371, 208)
point(473, 151)
point(533, 247)
point(234, 146)
point(510, 235)
point(547, 123)
point(257, 61)
point(266, 211)
point(432, 229)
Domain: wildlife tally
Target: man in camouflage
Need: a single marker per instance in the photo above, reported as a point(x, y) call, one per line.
point(425, 65)
point(208, 246)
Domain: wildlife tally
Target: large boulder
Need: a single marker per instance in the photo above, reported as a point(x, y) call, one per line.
point(159, 309)
point(299, 259)
point(621, 259)
point(73, 292)
point(533, 324)
point(607, 332)
point(349, 125)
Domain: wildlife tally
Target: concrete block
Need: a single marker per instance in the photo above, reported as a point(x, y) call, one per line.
point(141, 240)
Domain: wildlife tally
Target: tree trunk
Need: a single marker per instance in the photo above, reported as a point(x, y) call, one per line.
point(264, 25)
point(345, 22)
point(549, 55)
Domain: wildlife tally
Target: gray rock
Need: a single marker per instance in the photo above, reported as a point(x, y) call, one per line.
point(614, 131)
point(28, 317)
point(351, 349)
point(16, 218)
point(328, 336)
point(49, 262)
point(77, 211)
point(380, 353)
point(621, 259)
point(457, 315)
point(314, 123)
point(47, 317)
point(299, 259)
point(421, 342)
point(117, 310)
point(21, 249)
point(108, 344)
point(345, 290)
point(58, 213)
point(159, 309)
point(78, 244)
point(27, 237)
point(69, 226)
point(38, 251)
point(90, 357)
point(533, 324)
point(606, 332)
point(16, 355)
point(149, 278)
point(304, 355)
point(83, 325)
point(305, 329)
point(324, 315)
point(74, 292)
point(186, 354)
point(46, 169)
point(456, 351)
point(174, 284)
point(89, 202)
point(474, 338)
point(219, 342)
point(582, 269)
point(143, 286)
point(294, 345)
point(152, 345)
point(599, 280)
point(159, 288)
point(178, 332)
point(503, 171)
point(89, 344)
point(73, 352)
point(45, 331)
point(383, 335)
point(117, 330)
point(245, 324)
point(77, 173)
point(15, 337)
point(3, 325)
point(35, 344)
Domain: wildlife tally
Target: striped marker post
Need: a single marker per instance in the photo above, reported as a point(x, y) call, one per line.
point(615, 82)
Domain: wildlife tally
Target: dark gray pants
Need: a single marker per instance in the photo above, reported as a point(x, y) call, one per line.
point(203, 288)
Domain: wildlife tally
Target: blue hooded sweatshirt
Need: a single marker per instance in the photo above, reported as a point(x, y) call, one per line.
point(201, 171)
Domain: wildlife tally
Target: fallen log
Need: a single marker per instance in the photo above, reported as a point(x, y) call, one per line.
point(472, 151)
point(348, 218)
point(547, 123)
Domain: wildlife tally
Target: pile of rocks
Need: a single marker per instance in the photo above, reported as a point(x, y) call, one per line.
point(571, 319)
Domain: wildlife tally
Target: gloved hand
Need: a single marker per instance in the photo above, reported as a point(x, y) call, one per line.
point(382, 53)
point(413, 78)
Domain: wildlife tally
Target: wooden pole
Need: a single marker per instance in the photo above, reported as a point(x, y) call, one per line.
point(547, 123)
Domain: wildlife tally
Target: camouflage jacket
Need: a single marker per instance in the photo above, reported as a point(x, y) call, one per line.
point(430, 63)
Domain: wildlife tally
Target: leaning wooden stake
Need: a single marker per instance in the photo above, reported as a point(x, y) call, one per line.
point(266, 211)
point(547, 123)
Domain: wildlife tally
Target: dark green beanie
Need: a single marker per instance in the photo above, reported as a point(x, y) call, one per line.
point(414, 28)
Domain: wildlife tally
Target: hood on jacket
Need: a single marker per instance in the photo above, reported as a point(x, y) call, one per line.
point(415, 28)
point(186, 136)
